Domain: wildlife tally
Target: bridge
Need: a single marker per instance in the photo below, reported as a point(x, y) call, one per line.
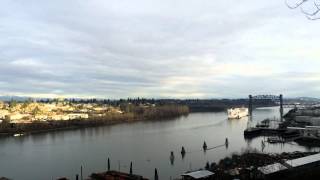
point(266, 97)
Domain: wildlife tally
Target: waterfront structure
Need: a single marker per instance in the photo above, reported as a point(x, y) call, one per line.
point(311, 120)
point(115, 175)
point(308, 132)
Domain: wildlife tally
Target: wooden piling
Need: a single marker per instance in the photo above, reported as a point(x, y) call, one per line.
point(81, 173)
point(131, 168)
point(183, 151)
point(156, 177)
point(204, 146)
point(108, 164)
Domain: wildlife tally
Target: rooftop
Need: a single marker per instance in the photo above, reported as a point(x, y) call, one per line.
point(199, 174)
point(304, 160)
point(272, 168)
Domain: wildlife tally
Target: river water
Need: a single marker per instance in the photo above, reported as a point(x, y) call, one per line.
point(146, 144)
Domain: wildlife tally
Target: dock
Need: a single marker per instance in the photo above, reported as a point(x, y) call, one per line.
point(115, 175)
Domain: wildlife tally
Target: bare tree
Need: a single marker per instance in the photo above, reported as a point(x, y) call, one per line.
point(311, 8)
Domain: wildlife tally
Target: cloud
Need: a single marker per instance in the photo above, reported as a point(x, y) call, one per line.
point(153, 48)
point(26, 63)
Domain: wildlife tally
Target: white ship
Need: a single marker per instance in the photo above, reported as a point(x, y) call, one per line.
point(237, 113)
point(18, 134)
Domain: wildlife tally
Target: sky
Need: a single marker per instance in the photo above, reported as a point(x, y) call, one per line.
point(157, 48)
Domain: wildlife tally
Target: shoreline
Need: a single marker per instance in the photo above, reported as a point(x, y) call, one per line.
point(80, 124)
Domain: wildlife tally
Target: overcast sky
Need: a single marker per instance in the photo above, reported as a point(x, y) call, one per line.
point(157, 48)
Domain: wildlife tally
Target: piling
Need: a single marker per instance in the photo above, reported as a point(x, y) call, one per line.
point(131, 168)
point(183, 151)
point(108, 164)
point(204, 146)
point(227, 142)
point(207, 166)
point(171, 158)
point(171, 155)
point(77, 176)
point(81, 173)
point(156, 177)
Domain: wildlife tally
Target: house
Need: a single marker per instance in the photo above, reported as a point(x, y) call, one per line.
point(40, 117)
point(78, 116)
point(3, 113)
point(59, 117)
point(17, 116)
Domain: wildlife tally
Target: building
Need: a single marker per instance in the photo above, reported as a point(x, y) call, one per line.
point(299, 167)
point(304, 162)
point(201, 174)
point(78, 116)
point(40, 117)
point(59, 117)
point(17, 116)
point(271, 171)
point(3, 113)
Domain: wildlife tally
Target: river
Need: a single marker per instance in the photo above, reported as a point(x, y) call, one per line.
point(147, 144)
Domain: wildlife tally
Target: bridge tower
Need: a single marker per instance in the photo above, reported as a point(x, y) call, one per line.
point(281, 107)
point(250, 105)
point(271, 97)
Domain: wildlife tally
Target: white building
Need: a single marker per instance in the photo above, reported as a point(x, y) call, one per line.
point(17, 116)
point(78, 116)
point(59, 117)
point(3, 113)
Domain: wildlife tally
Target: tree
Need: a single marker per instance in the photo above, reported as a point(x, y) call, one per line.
point(13, 103)
point(35, 111)
point(311, 8)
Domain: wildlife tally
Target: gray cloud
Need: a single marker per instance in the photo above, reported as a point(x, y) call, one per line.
point(153, 48)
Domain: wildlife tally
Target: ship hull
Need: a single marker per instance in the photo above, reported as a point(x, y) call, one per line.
point(237, 113)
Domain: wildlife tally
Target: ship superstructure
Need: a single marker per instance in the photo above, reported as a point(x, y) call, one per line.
point(237, 113)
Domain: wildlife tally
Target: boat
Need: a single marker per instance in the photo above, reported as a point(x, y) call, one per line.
point(264, 124)
point(237, 113)
point(252, 132)
point(18, 134)
point(273, 140)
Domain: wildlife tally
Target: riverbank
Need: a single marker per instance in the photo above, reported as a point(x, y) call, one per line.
point(138, 114)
